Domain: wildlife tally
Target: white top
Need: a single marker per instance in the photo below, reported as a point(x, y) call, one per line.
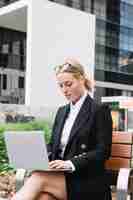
point(74, 110)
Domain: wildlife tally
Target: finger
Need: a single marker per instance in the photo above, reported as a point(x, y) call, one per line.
point(53, 165)
point(60, 164)
point(57, 164)
point(54, 162)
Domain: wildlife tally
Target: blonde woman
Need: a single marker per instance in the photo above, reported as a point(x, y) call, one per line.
point(81, 142)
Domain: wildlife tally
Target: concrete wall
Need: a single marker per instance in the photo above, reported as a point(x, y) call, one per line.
point(54, 33)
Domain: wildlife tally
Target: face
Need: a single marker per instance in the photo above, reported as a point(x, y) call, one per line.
point(71, 87)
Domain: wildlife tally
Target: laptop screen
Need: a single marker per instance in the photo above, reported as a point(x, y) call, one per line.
point(27, 149)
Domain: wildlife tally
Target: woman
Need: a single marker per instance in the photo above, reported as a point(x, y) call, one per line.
point(81, 142)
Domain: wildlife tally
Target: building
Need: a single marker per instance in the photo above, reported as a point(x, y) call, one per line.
point(33, 48)
point(114, 43)
point(12, 65)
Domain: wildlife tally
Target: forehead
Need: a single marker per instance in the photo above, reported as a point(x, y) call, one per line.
point(61, 77)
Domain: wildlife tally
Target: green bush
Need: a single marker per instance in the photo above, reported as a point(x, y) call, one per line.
point(34, 125)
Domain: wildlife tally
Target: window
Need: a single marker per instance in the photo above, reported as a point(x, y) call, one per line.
point(4, 81)
point(87, 6)
point(6, 1)
point(21, 82)
point(76, 4)
point(69, 3)
point(127, 1)
point(5, 48)
point(16, 48)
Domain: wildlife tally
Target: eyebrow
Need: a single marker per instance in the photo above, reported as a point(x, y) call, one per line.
point(65, 82)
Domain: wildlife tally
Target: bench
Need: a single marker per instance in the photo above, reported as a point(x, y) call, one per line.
point(120, 165)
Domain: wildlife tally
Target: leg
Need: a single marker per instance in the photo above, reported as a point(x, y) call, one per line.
point(48, 182)
point(46, 196)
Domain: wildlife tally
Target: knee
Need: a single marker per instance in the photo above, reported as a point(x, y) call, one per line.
point(43, 196)
point(46, 196)
point(38, 177)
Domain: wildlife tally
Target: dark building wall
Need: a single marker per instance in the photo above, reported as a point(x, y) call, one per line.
point(12, 65)
point(6, 2)
point(12, 49)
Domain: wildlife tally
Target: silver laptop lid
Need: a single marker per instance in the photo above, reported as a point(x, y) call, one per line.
point(27, 149)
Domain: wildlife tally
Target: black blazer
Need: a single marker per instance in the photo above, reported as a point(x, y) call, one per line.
point(88, 147)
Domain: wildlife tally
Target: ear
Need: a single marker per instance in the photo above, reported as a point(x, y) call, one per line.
point(82, 80)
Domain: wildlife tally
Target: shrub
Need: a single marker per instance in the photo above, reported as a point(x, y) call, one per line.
point(34, 125)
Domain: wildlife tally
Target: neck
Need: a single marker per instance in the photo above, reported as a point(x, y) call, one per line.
point(81, 95)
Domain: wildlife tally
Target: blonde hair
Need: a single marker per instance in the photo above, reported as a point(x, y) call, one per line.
point(74, 67)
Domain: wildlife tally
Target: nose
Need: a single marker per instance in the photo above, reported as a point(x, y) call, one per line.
point(64, 89)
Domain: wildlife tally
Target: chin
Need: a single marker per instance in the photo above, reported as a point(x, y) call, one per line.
point(74, 101)
point(68, 99)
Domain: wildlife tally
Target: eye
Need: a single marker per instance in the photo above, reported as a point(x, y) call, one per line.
point(68, 84)
point(60, 85)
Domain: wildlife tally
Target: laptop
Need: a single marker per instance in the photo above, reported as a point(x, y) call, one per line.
point(27, 150)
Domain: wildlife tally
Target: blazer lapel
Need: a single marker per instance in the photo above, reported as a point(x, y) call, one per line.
point(85, 113)
point(63, 115)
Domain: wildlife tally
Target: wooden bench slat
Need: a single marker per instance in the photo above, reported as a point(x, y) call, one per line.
point(121, 150)
point(122, 137)
point(117, 163)
point(121, 157)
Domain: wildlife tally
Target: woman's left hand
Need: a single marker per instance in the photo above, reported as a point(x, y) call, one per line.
point(58, 164)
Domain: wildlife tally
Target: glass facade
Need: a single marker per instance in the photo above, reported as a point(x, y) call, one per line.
point(114, 47)
point(114, 41)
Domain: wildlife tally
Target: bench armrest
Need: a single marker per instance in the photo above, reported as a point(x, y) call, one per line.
point(123, 183)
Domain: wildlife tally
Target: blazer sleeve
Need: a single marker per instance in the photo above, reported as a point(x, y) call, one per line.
point(102, 129)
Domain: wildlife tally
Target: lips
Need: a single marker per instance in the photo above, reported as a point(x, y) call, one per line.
point(68, 96)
